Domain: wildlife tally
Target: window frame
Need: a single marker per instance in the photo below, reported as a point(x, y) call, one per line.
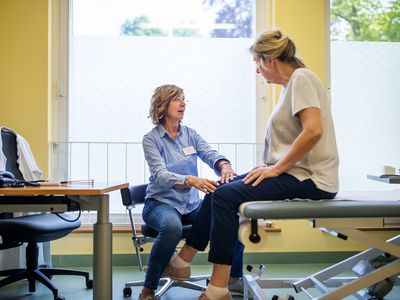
point(62, 27)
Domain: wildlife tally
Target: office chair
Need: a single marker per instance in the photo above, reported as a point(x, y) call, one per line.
point(32, 229)
point(131, 198)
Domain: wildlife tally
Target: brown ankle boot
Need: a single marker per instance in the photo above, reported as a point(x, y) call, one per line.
point(180, 274)
point(148, 297)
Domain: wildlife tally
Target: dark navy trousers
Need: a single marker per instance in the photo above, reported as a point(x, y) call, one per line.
point(221, 228)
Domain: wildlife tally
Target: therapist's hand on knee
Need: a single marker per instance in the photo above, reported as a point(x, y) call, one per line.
point(257, 175)
point(202, 184)
point(227, 173)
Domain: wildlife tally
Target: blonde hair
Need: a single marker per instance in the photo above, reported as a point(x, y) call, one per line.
point(160, 100)
point(273, 44)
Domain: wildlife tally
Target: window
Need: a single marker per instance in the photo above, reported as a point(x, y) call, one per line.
point(120, 51)
point(365, 68)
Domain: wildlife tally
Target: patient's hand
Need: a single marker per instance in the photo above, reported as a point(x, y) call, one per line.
point(259, 174)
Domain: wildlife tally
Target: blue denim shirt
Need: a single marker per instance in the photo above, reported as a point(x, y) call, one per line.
point(169, 165)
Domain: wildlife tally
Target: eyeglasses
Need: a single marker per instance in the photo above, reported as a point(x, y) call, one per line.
point(182, 101)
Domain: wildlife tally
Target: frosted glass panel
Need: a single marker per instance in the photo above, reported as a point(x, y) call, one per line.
point(366, 108)
point(112, 78)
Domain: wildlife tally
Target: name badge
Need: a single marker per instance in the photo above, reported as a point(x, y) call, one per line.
point(189, 150)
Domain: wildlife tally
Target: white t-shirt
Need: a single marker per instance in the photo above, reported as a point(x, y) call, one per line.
point(304, 90)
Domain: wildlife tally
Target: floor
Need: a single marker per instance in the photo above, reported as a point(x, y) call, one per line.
point(73, 288)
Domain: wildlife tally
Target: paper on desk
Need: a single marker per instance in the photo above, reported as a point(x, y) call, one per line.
point(48, 183)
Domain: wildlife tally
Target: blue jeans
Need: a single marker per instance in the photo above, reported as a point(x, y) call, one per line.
point(225, 202)
point(168, 222)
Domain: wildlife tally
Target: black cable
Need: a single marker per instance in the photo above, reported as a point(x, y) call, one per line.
point(68, 220)
point(31, 183)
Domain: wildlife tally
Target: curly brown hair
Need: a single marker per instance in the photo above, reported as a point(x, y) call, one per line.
point(160, 100)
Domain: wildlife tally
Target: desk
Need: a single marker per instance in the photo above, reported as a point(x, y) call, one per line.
point(58, 199)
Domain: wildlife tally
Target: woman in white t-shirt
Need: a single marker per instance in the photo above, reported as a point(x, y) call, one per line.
point(300, 158)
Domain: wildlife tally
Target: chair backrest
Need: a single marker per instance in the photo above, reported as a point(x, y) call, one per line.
point(133, 195)
point(10, 152)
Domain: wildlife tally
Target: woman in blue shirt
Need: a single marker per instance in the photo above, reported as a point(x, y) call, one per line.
point(171, 151)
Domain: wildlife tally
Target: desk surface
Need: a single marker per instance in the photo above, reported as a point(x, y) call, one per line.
point(65, 189)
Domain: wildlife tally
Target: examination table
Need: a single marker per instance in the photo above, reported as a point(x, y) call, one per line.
point(343, 217)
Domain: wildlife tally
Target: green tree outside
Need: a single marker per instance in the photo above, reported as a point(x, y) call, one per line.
point(138, 27)
point(365, 20)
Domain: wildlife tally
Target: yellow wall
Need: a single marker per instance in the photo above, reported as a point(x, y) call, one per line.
point(304, 22)
point(24, 72)
point(24, 56)
point(296, 236)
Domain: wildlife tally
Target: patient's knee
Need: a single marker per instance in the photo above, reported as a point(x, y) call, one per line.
point(224, 200)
